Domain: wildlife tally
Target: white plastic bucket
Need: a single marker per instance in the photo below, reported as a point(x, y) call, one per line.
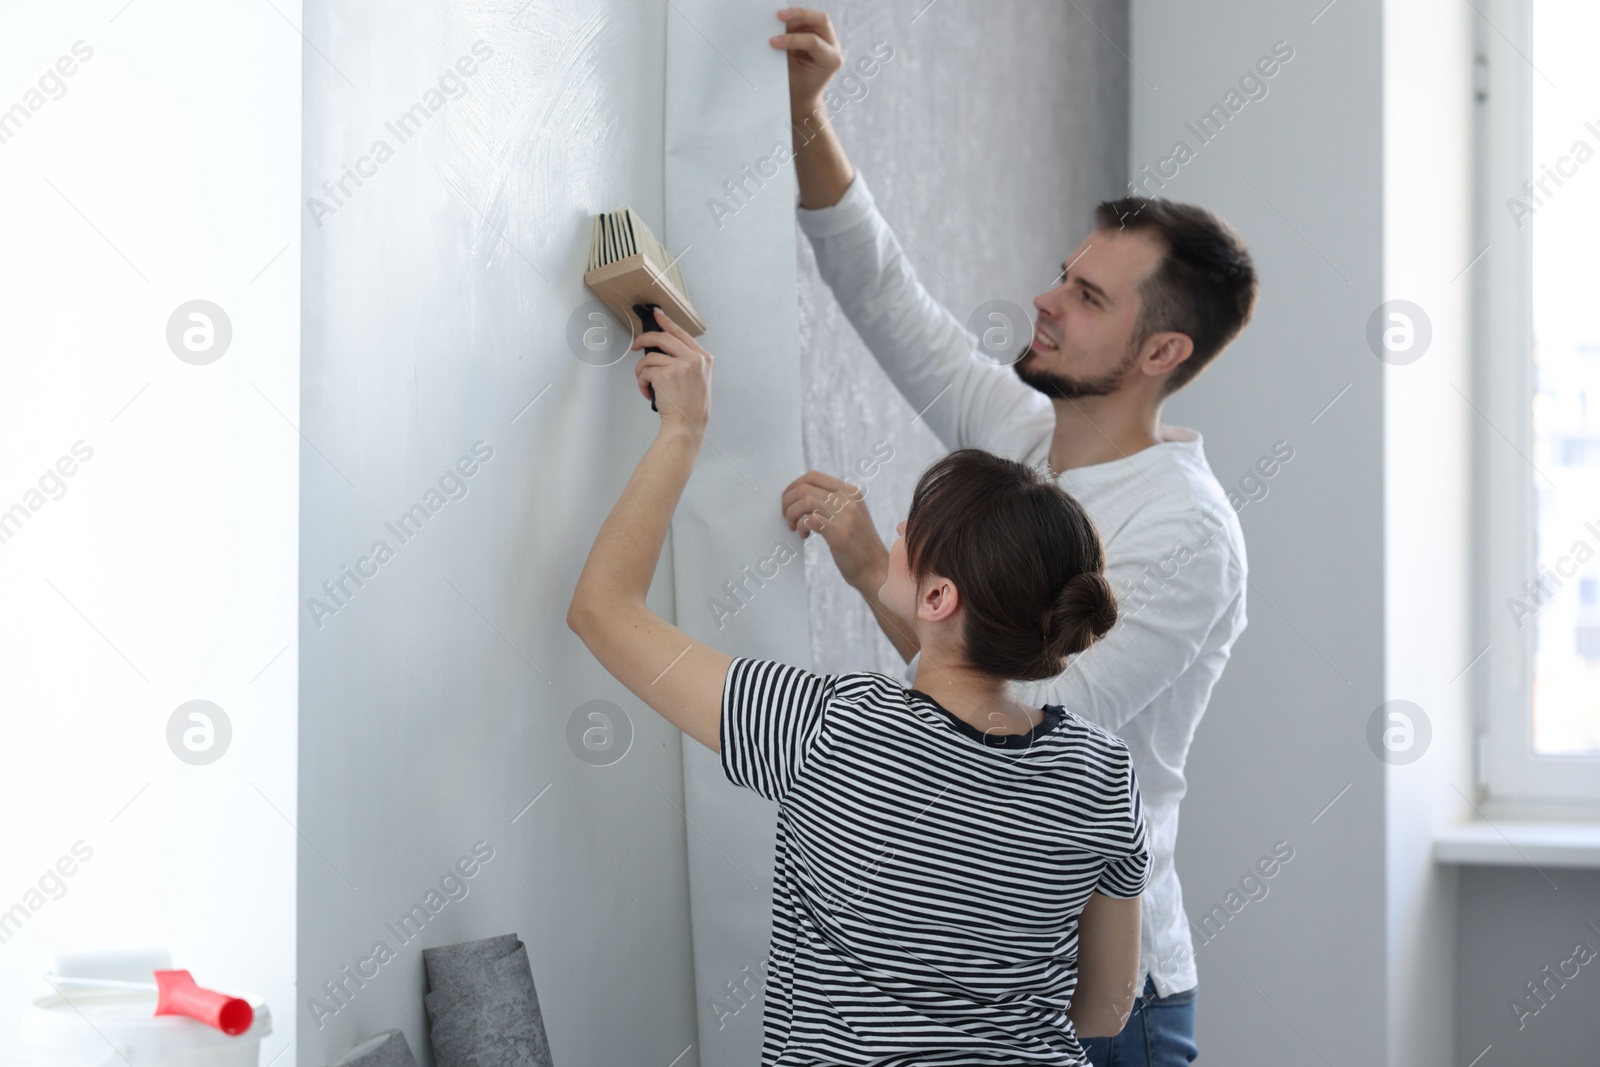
point(120, 1028)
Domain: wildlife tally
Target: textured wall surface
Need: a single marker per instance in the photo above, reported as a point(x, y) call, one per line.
point(989, 179)
point(438, 701)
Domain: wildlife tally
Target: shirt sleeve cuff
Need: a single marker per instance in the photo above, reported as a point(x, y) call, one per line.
point(725, 720)
point(854, 206)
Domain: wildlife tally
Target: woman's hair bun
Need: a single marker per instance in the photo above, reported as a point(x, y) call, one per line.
point(1026, 557)
point(1084, 610)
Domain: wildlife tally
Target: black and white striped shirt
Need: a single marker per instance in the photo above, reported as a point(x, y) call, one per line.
point(928, 876)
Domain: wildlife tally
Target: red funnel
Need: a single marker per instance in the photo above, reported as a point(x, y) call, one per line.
point(176, 994)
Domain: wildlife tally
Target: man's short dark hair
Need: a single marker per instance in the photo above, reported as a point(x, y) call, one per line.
point(1205, 285)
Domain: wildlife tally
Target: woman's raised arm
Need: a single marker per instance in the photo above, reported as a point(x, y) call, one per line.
point(675, 674)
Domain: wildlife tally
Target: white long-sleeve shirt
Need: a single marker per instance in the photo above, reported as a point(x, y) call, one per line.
point(1175, 552)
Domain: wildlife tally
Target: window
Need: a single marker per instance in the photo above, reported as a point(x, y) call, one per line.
point(1538, 380)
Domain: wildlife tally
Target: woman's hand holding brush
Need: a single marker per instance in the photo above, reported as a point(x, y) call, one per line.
point(679, 371)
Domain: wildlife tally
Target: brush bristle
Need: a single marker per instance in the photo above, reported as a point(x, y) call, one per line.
point(622, 233)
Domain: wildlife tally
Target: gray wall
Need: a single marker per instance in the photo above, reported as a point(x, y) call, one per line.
point(1300, 975)
point(1513, 923)
point(990, 179)
point(435, 705)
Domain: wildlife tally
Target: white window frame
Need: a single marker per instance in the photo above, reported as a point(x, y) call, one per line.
point(1516, 781)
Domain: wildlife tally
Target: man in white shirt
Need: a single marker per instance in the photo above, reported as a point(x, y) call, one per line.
point(1149, 298)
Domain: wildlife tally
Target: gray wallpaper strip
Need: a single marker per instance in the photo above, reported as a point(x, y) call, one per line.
point(989, 180)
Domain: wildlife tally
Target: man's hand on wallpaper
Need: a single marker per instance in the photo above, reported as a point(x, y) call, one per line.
point(821, 169)
point(814, 55)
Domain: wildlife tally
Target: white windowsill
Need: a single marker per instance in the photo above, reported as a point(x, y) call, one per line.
point(1512, 843)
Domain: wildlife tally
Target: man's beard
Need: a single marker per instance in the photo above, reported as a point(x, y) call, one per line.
point(1067, 388)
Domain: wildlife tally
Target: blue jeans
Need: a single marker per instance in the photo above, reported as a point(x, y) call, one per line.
point(1159, 1033)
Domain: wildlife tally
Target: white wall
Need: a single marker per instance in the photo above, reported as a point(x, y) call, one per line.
point(1298, 976)
point(1428, 246)
point(436, 703)
point(162, 170)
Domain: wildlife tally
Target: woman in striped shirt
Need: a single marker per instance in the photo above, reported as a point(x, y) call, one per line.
point(957, 873)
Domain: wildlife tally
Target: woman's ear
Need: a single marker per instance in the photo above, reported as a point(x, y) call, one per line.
point(938, 599)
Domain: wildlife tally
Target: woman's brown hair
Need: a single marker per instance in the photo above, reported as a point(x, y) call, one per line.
point(1025, 556)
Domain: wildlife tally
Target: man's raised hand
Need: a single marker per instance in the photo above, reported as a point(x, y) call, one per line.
point(814, 55)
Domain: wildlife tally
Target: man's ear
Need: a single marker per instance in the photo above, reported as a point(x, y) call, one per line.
point(938, 600)
point(1164, 351)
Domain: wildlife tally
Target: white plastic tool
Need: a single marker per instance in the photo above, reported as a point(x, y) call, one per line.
point(99, 1014)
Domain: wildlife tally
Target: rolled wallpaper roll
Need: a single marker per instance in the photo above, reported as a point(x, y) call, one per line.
point(482, 1007)
point(388, 1049)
